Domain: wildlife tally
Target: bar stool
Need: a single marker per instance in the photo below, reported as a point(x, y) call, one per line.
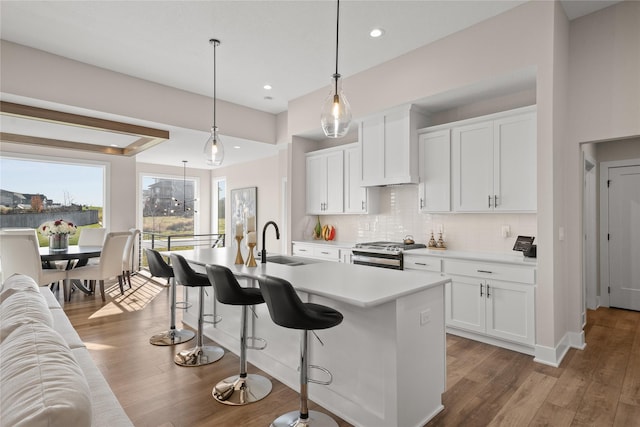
point(159, 268)
point(200, 354)
point(287, 310)
point(243, 388)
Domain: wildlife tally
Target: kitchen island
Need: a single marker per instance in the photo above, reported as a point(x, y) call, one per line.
point(387, 357)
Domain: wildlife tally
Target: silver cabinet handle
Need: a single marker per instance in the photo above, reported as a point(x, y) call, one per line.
point(485, 271)
point(421, 203)
point(489, 196)
point(324, 253)
point(420, 263)
point(495, 201)
point(302, 250)
point(481, 288)
point(363, 207)
point(488, 288)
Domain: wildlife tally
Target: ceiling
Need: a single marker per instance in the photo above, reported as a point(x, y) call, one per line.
point(289, 45)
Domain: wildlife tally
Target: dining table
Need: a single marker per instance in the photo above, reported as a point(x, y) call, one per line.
point(79, 254)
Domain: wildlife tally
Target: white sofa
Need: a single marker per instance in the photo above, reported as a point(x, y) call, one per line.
point(47, 376)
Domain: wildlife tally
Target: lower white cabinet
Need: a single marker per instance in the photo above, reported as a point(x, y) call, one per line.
point(317, 251)
point(492, 300)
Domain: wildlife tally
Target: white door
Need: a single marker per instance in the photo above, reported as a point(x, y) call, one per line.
point(464, 300)
point(435, 171)
point(473, 167)
point(624, 237)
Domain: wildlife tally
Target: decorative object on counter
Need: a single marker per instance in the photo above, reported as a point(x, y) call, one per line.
point(335, 116)
point(213, 148)
point(328, 232)
point(317, 230)
point(432, 242)
point(251, 243)
point(408, 240)
point(251, 223)
point(239, 236)
point(440, 243)
point(58, 232)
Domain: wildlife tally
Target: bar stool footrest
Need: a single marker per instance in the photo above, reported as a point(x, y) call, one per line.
point(257, 347)
point(183, 305)
point(326, 371)
point(216, 319)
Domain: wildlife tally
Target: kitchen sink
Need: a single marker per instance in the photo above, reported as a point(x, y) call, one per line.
point(291, 261)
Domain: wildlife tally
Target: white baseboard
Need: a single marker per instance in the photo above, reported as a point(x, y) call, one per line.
point(553, 356)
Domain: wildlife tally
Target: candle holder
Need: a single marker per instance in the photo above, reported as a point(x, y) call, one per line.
point(251, 261)
point(239, 259)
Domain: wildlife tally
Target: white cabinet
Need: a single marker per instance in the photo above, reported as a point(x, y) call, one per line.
point(420, 262)
point(325, 185)
point(494, 163)
point(357, 199)
point(491, 300)
point(435, 171)
point(317, 251)
point(389, 147)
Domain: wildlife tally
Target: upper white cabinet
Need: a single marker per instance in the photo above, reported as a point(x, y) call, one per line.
point(325, 184)
point(435, 171)
point(494, 163)
point(333, 182)
point(389, 147)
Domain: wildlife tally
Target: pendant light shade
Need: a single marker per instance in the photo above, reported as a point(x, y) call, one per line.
point(213, 148)
point(335, 116)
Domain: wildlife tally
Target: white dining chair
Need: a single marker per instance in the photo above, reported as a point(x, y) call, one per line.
point(127, 259)
point(19, 253)
point(109, 266)
point(92, 236)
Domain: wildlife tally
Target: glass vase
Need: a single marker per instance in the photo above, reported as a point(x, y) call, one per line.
point(58, 242)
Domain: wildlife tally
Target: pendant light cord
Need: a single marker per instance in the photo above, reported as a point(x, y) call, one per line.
point(336, 76)
point(214, 42)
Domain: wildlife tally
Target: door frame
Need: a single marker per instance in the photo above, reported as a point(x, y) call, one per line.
point(590, 233)
point(604, 221)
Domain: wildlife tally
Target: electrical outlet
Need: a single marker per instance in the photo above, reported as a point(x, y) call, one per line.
point(506, 231)
point(425, 317)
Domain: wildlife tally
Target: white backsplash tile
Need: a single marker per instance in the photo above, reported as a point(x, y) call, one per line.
point(398, 216)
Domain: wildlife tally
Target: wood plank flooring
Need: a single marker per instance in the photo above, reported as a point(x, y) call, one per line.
point(486, 385)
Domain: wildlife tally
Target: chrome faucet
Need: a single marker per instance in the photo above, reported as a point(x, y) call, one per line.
point(263, 252)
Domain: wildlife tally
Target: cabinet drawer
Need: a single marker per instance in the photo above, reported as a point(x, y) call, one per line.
point(508, 273)
point(417, 262)
point(303, 250)
point(327, 252)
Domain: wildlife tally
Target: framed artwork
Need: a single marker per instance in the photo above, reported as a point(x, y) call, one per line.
point(244, 207)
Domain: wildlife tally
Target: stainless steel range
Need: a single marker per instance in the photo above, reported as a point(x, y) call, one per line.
point(382, 254)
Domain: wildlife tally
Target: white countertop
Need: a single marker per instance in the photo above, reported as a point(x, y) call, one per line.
point(336, 243)
point(515, 258)
point(358, 285)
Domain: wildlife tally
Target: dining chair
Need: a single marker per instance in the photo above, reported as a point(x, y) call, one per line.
point(19, 253)
point(90, 237)
point(109, 266)
point(127, 259)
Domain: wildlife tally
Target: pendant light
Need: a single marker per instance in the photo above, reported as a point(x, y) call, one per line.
point(335, 116)
point(213, 149)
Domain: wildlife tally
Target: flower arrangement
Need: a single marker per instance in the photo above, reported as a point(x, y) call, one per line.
point(58, 226)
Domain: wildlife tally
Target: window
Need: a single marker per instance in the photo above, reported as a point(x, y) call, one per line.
point(220, 189)
point(33, 191)
point(169, 205)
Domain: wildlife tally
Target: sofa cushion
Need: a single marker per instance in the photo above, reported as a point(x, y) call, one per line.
point(23, 307)
point(17, 283)
point(42, 384)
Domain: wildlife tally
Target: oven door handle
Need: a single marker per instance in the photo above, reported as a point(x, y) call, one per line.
point(375, 260)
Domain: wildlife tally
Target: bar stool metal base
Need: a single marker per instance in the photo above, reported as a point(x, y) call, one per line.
point(172, 337)
point(316, 419)
point(199, 356)
point(241, 391)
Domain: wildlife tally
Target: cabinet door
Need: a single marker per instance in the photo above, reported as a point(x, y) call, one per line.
point(397, 155)
point(334, 176)
point(514, 181)
point(510, 311)
point(316, 184)
point(435, 171)
point(355, 196)
point(473, 167)
point(464, 299)
point(372, 149)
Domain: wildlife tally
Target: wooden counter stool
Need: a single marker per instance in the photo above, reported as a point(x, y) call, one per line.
point(287, 310)
point(200, 354)
point(243, 388)
point(159, 268)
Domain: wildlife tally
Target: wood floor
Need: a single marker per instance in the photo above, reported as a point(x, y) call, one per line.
point(486, 385)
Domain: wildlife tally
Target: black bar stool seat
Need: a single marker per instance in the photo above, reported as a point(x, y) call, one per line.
point(287, 310)
point(243, 388)
point(159, 268)
point(200, 354)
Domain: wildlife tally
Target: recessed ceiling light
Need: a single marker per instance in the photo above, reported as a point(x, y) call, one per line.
point(114, 145)
point(236, 146)
point(267, 87)
point(376, 32)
